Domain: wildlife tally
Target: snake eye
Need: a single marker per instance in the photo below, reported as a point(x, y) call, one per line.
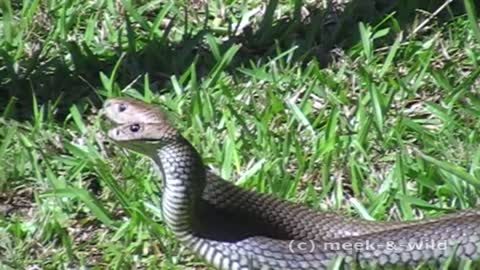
point(122, 107)
point(134, 128)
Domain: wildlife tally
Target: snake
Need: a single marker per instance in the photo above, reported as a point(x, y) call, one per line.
point(233, 228)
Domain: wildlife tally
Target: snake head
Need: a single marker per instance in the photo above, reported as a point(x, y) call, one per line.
point(139, 126)
point(126, 110)
point(144, 138)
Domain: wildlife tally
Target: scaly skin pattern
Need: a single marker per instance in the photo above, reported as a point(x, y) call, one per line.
point(291, 221)
point(184, 179)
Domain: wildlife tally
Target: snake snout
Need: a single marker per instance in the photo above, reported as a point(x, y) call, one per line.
point(114, 134)
point(107, 103)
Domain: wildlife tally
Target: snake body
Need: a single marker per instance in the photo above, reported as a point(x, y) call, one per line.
point(287, 220)
point(232, 228)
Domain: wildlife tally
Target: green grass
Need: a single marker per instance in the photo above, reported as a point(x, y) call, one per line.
point(388, 130)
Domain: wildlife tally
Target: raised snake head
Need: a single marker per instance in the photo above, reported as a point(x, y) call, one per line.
point(126, 110)
point(139, 126)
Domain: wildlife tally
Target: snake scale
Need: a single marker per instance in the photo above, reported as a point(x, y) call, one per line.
point(233, 228)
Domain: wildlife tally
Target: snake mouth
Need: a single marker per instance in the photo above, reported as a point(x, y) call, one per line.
point(108, 124)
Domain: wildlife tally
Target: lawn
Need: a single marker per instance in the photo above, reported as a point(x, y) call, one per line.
point(365, 108)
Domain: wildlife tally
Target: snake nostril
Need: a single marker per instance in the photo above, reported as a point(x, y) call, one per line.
point(118, 132)
point(122, 107)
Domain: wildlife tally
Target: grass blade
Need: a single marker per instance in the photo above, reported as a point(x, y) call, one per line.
point(453, 169)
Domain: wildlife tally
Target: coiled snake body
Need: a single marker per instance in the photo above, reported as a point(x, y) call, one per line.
point(232, 228)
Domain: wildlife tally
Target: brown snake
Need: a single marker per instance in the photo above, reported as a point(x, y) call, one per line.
point(232, 228)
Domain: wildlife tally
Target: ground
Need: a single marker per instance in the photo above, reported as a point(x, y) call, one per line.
point(363, 108)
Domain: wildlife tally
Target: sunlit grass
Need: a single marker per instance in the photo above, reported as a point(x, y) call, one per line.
point(388, 131)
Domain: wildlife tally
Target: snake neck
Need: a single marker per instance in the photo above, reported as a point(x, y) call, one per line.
point(184, 180)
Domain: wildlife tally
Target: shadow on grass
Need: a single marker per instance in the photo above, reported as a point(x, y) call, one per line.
point(315, 32)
